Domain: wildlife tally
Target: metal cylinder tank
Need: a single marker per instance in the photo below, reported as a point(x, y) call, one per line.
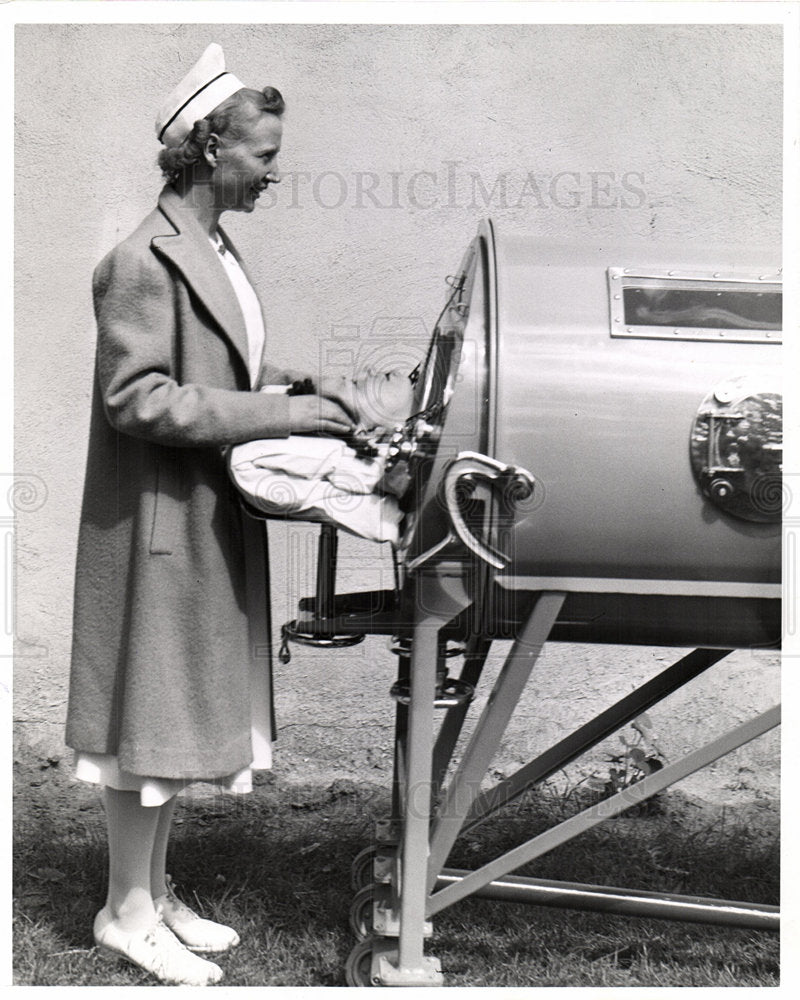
point(640, 388)
point(609, 413)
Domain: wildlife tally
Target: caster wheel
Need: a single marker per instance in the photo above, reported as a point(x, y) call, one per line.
point(358, 968)
point(361, 912)
point(361, 869)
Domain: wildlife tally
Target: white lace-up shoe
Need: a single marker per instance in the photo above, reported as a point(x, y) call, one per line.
point(194, 931)
point(157, 951)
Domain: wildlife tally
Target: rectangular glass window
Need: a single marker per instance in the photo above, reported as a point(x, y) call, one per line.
point(694, 307)
point(703, 308)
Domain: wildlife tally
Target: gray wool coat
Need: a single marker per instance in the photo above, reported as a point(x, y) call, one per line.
point(165, 623)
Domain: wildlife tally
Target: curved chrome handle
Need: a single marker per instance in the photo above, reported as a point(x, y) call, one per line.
point(510, 482)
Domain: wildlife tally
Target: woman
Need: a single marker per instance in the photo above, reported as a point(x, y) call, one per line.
point(170, 678)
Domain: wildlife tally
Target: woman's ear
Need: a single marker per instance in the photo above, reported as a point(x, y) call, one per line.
point(211, 150)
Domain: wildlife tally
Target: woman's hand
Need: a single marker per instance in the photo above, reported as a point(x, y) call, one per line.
point(317, 415)
point(341, 390)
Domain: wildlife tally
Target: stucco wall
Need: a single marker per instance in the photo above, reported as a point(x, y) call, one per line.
point(398, 140)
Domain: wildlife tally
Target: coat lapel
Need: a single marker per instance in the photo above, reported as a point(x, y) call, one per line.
point(191, 252)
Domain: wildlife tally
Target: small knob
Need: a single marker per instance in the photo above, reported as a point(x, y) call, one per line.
point(724, 394)
point(720, 489)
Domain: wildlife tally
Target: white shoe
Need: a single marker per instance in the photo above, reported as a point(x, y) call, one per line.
point(157, 951)
point(194, 931)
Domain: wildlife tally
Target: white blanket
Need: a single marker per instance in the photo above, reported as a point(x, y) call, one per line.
point(316, 478)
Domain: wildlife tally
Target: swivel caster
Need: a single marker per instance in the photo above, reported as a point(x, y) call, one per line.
point(358, 968)
point(362, 912)
point(361, 871)
point(382, 954)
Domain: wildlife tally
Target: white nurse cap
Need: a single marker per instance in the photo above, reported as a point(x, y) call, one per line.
point(206, 85)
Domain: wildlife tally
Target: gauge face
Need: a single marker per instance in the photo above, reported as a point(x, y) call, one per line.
point(736, 449)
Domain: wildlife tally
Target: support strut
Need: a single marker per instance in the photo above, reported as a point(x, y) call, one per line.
point(623, 902)
point(465, 783)
point(618, 803)
point(588, 735)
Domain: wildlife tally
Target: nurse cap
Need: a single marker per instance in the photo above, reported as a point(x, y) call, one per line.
point(206, 85)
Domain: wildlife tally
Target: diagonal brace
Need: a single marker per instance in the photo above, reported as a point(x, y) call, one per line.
point(465, 783)
point(618, 803)
point(597, 729)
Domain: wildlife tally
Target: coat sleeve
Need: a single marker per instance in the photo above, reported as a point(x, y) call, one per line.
point(134, 300)
point(271, 375)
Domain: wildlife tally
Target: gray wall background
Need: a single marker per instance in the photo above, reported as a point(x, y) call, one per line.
point(398, 140)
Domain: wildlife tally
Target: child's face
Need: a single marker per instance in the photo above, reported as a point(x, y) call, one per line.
point(383, 399)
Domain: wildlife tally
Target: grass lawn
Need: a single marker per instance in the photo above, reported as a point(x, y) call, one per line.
point(276, 865)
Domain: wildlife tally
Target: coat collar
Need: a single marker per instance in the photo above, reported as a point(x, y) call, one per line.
point(191, 252)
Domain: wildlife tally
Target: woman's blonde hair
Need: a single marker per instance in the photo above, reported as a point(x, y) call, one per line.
point(229, 119)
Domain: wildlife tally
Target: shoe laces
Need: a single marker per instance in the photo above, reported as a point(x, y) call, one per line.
point(185, 911)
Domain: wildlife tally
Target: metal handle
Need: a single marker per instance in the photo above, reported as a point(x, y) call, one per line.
point(512, 483)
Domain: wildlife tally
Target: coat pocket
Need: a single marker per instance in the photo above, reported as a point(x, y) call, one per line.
point(168, 505)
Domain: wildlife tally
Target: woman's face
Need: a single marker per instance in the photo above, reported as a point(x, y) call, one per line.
point(244, 167)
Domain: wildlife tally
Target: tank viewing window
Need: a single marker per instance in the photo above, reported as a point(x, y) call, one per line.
point(677, 305)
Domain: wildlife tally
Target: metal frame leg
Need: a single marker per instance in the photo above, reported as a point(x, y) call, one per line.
point(474, 659)
point(416, 810)
point(435, 607)
point(400, 742)
point(464, 787)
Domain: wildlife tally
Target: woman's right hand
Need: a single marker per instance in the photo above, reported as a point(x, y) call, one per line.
point(317, 415)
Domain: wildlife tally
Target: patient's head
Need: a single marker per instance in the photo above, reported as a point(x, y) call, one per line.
point(379, 399)
point(383, 399)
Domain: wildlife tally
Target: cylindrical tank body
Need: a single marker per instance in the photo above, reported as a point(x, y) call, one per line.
point(605, 423)
point(641, 388)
